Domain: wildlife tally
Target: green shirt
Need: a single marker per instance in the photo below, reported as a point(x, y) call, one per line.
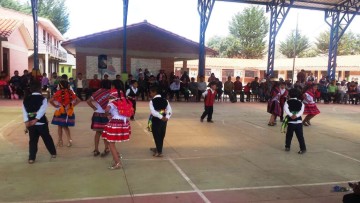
point(332, 88)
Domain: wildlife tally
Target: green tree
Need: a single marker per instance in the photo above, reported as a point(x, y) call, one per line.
point(348, 44)
point(294, 42)
point(249, 30)
point(54, 10)
point(225, 46)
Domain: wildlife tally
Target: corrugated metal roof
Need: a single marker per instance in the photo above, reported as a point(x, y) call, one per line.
point(306, 4)
point(7, 26)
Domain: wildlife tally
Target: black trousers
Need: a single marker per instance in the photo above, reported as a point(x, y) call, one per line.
point(298, 129)
point(208, 112)
point(34, 133)
point(79, 92)
point(351, 198)
point(158, 131)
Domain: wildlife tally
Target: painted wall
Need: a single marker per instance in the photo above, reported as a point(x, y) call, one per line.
point(18, 52)
point(66, 69)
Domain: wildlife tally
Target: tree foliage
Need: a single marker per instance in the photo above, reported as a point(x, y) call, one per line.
point(294, 45)
point(247, 35)
point(250, 28)
point(349, 44)
point(54, 10)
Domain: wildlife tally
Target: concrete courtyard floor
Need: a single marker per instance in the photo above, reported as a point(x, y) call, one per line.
point(236, 159)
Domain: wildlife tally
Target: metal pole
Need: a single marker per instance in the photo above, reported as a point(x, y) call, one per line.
point(295, 43)
point(34, 9)
point(125, 8)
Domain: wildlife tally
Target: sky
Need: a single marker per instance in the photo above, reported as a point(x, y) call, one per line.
point(181, 17)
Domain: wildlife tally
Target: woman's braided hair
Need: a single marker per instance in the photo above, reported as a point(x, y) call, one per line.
point(64, 87)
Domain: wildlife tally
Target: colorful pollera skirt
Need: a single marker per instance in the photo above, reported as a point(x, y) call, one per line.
point(64, 120)
point(311, 109)
point(117, 130)
point(99, 121)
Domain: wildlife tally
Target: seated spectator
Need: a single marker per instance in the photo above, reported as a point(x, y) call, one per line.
point(142, 87)
point(255, 86)
point(238, 88)
point(4, 78)
point(353, 94)
point(333, 92)
point(247, 91)
point(184, 88)
point(193, 87)
point(219, 89)
point(94, 85)
point(323, 90)
point(118, 83)
point(228, 87)
point(342, 88)
point(44, 82)
point(185, 76)
point(106, 83)
point(201, 87)
point(164, 88)
point(80, 85)
point(175, 89)
point(317, 94)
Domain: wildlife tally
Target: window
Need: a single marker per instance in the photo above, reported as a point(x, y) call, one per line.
point(44, 36)
point(289, 75)
point(69, 69)
point(275, 74)
point(226, 73)
point(249, 74)
point(207, 72)
point(62, 69)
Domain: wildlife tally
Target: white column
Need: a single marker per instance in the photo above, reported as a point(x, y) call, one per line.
point(47, 64)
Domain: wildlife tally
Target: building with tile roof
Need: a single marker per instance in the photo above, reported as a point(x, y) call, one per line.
point(16, 38)
point(148, 46)
point(348, 67)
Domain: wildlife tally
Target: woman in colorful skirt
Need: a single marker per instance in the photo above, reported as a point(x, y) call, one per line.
point(98, 102)
point(118, 128)
point(311, 109)
point(274, 107)
point(64, 101)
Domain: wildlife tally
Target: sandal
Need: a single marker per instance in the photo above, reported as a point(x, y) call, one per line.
point(105, 152)
point(115, 166)
point(60, 143)
point(31, 161)
point(305, 123)
point(69, 144)
point(158, 154)
point(271, 124)
point(96, 152)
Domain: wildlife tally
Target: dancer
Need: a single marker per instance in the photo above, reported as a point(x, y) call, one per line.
point(64, 100)
point(311, 109)
point(294, 109)
point(161, 112)
point(209, 102)
point(34, 108)
point(118, 128)
point(274, 104)
point(99, 118)
point(132, 93)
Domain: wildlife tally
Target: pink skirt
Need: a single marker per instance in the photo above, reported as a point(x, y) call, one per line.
point(117, 131)
point(311, 109)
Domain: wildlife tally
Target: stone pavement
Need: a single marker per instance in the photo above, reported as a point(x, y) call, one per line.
point(236, 159)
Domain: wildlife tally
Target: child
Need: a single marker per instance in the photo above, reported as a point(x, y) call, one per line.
point(276, 103)
point(99, 118)
point(294, 109)
point(209, 95)
point(34, 108)
point(161, 112)
point(64, 100)
point(311, 109)
point(118, 128)
point(132, 93)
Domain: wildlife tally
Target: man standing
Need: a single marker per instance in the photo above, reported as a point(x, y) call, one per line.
point(94, 85)
point(80, 85)
point(118, 83)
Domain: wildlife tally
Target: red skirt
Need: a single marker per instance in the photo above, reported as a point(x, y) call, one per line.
point(311, 109)
point(117, 131)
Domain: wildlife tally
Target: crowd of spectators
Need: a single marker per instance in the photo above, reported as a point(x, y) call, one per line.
point(190, 89)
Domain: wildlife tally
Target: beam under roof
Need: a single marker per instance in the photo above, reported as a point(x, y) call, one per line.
point(320, 5)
